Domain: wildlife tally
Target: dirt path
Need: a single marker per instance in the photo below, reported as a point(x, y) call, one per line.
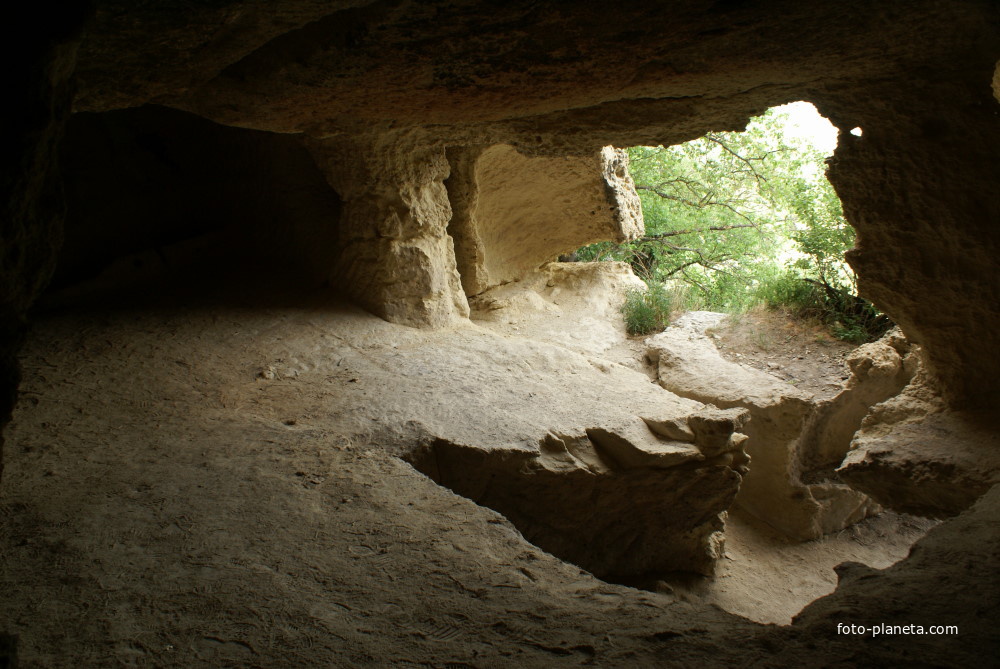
point(802, 353)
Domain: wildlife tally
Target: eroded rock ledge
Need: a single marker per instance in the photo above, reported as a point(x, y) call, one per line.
point(794, 441)
point(914, 455)
point(645, 496)
point(514, 213)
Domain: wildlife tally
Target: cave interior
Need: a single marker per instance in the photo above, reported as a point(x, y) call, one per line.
point(407, 157)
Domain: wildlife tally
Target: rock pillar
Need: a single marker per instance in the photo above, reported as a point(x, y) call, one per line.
point(397, 258)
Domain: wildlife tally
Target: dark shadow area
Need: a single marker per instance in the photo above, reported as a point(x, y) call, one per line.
point(157, 197)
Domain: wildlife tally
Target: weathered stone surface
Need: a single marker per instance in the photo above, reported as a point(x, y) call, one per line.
point(571, 79)
point(914, 455)
point(397, 257)
point(575, 305)
point(689, 365)
point(793, 441)
point(514, 213)
point(879, 371)
point(938, 290)
point(617, 500)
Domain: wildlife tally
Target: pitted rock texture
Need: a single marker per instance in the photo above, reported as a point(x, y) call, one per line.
point(397, 259)
point(915, 455)
point(513, 213)
point(789, 433)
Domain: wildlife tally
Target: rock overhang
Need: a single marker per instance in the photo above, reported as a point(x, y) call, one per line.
point(567, 79)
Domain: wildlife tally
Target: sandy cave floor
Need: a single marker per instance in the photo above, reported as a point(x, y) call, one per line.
point(218, 484)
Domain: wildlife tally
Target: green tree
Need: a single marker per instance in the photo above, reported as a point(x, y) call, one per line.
point(738, 218)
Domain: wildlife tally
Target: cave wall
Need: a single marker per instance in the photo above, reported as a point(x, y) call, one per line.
point(41, 48)
point(561, 78)
point(512, 213)
point(916, 186)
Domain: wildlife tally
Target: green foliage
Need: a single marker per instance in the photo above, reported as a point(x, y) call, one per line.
point(849, 317)
point(646, 310)
point(788, 289)
point(741, 219)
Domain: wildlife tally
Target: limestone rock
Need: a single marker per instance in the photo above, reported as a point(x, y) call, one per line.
point(514, 213)
point(790, 436)
point(397, 257)
point(914, 455)
point(879, 371)
point(618, 500)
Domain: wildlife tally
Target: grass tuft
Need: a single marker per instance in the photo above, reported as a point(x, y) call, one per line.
point(647, 310)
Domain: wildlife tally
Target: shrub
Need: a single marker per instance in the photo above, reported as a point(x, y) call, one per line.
point(849, 317)
point(646, 310)
point(789, 290)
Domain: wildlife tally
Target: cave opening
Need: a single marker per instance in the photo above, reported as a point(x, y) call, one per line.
point(221, 486)
point(737, 221)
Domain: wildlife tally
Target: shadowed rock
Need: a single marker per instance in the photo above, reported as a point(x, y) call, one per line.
point(618, 500)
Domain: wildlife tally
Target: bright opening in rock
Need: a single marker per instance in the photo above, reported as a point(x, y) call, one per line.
point(735, 222)
point(856, 132)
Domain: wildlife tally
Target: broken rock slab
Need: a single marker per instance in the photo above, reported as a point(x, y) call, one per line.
point(642, 496)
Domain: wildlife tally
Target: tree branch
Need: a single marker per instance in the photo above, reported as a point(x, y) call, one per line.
point(713, 228)
point(746, 161)
point(705, 202)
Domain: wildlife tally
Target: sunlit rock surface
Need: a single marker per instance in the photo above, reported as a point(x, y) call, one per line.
point(794, 441)
point(513, 213)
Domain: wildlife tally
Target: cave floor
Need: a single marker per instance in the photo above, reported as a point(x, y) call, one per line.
point(219, 485)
